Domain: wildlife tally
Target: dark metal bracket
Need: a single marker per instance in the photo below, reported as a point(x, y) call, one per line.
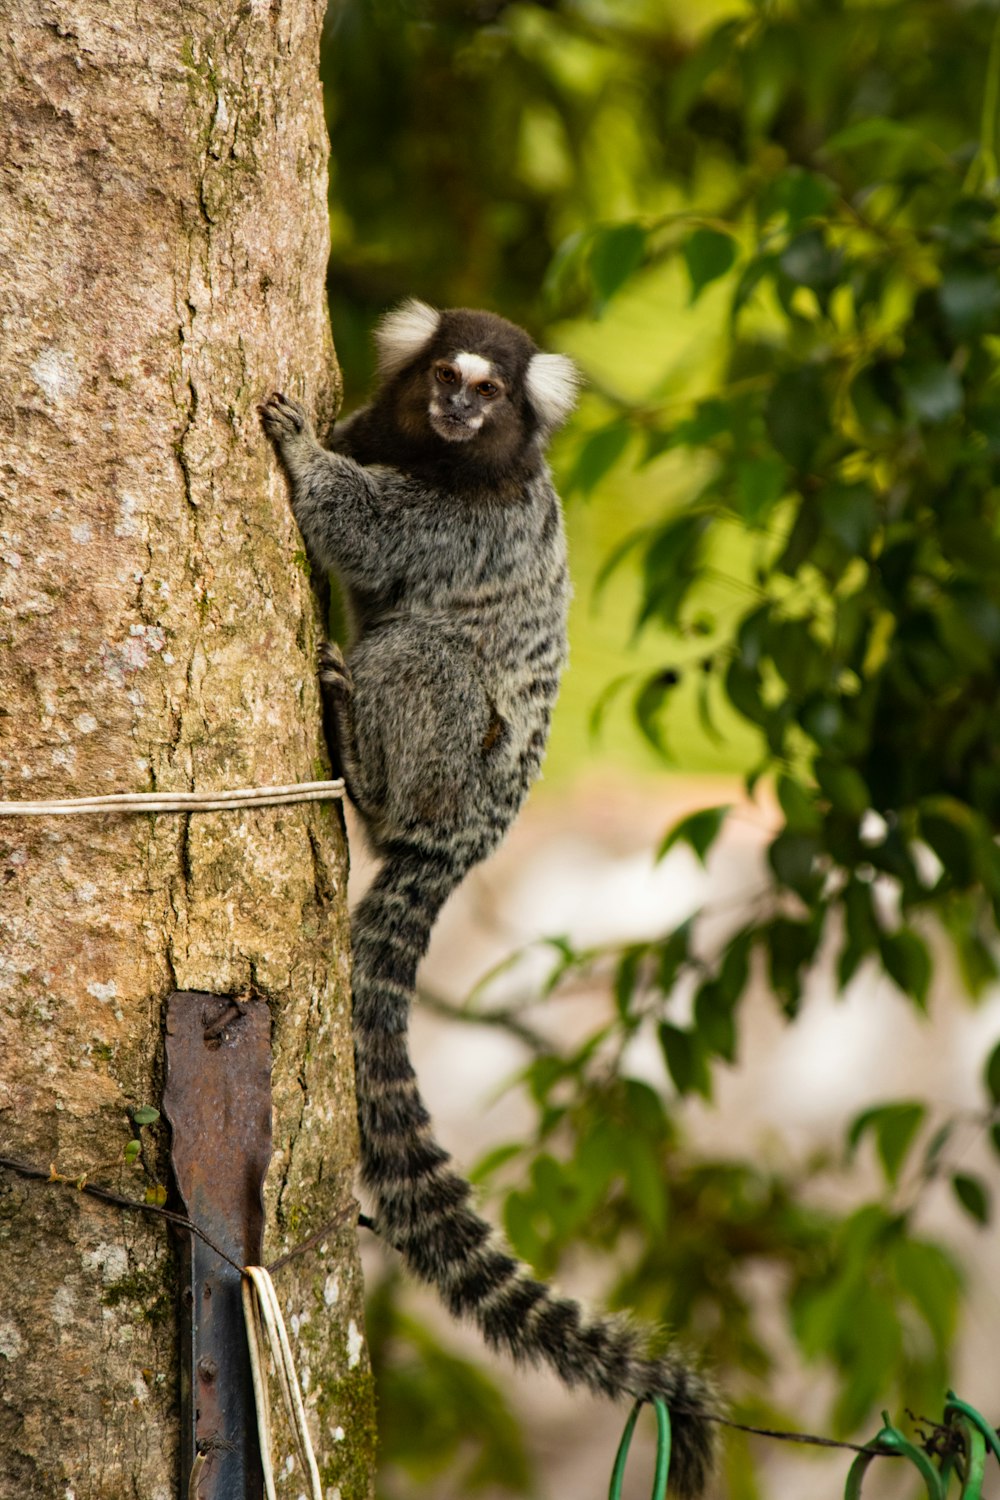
point(218, 1102)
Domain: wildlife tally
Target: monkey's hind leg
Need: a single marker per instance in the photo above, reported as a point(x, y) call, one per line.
point(337, 691)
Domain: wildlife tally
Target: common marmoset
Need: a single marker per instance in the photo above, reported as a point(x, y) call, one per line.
point(436, 510)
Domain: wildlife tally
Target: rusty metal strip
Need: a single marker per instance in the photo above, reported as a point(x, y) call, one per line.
point(218, 1101)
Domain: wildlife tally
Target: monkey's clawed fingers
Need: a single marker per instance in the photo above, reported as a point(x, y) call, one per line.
point(281, 417)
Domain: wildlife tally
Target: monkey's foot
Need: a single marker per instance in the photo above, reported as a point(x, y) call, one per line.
point(334, 673)
point(282, 418)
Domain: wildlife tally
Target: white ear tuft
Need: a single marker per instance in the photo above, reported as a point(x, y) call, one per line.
point(402, 333)
point(552, 381)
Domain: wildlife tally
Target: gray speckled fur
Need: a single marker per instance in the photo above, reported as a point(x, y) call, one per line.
point(459, 596)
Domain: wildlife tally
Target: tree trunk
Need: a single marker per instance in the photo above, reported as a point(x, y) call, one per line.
point(163, 242)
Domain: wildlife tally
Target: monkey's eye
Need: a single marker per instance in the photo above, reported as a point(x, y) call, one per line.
point(487, 388)
point(446, 374)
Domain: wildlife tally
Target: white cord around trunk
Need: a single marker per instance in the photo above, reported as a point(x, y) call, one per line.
point(263, 1315)
point(178, 802)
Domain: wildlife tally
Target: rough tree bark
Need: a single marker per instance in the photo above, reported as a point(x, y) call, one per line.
point(163, 241)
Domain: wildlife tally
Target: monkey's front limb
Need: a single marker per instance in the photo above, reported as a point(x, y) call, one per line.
point(337, 503)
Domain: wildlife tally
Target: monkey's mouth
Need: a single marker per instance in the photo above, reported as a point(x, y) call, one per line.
point(455, 429)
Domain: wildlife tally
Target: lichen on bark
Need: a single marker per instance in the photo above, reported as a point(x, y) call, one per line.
point(163, 241)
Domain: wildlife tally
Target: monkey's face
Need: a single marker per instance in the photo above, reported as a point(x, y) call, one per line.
point(466, 387)
point(466, 394)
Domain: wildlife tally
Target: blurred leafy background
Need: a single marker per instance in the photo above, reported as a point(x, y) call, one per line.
point(769, 233)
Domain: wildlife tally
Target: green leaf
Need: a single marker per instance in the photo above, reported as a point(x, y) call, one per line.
point(752, 638)
point(705, 58)
point(132, 1151)
point(972, 1194)
point(699, 830)
point(802, 538)
point(822, 718)
point(519, 1219)
point(791, 947)
point(604, 700)
point(756, 270)
point(793, 858)
point(948, 830)
point(713, 1019)
point(800, 195)
point(493, 1160)
point(564, 267)
point(770, 66)
point(843, 785)
point(674, 954)
point(598, 453)
point(859, 912)
point(704, 704)
point(798, 804)
point(617, 556)
point(671, 566)
point(850, 514)
point(797, 416)
point(555, 1193)
point(710, 419)
point(626, 974)
point(801, 659)
point(685, 1059)
point(735, 967)
point(894, 1127)
point(876, 130)
point(708, 254)
point(648, 704)
point(908, 962)
point(145, 1115)
point(616, 253)
point(992, 1076)
point(936, 1145)
point(931, 392)
point(744, 688)
point(808, 260)
point(644, 1174)
point(760, 484)
point(599, 1155)
point(929, 1279)
point(970, 300)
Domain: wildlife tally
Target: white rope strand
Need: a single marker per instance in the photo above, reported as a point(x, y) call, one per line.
point(179, 802)
point(262, 1403)
point(263, 1315)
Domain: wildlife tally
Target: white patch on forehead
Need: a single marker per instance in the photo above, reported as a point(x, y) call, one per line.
point(473, 367)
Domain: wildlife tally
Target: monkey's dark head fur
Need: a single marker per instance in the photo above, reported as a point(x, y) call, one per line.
point(461, 393)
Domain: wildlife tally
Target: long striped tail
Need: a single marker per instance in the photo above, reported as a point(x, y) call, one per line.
point(424, 1207)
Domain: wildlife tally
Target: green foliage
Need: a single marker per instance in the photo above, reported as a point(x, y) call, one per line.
point(699, 830)
point(854, 433)
point(437, 1413)
point(884, 1303)
point(707, 255)
point(894, 1127)
point(867, 1293)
